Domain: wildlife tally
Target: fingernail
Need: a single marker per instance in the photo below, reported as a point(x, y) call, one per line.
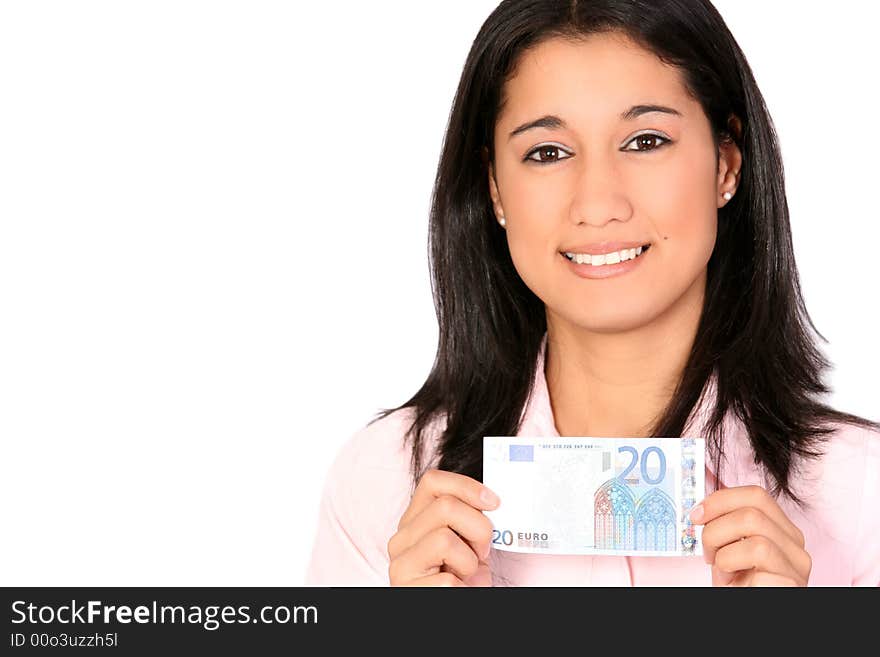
point(486, 551)
point(488, 497)
point(696, 513)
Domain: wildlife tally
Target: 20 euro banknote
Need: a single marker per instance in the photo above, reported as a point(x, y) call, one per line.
point(611, 496)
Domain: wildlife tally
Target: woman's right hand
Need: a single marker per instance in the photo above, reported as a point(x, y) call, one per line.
point(442, 538)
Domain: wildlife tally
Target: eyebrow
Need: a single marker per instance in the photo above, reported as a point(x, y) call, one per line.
point(553, 122)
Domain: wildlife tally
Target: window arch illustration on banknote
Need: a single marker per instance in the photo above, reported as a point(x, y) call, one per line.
point(655, 522)
point(614, 517)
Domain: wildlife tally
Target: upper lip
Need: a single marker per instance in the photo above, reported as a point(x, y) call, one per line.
point(599, 248)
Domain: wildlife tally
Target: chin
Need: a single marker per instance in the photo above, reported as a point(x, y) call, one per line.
point(616, 318)
point(611, 325)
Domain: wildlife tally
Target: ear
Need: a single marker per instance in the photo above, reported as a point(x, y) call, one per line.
point(493, 192)
point(729, 161)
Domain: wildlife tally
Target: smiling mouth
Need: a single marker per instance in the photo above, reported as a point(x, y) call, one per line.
point(612, 258)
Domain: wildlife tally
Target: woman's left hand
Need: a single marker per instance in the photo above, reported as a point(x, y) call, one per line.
point(750, 541)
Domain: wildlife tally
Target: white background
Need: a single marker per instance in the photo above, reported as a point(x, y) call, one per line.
point(213, 257)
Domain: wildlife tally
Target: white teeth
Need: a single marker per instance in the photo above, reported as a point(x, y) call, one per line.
point(606, 259)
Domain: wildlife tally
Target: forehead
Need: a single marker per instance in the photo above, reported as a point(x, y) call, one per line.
point(601, 74)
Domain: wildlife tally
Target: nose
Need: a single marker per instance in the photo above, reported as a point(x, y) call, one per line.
point(600, 194)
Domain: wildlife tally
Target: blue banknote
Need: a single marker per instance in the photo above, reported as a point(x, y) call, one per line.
point(614, 496)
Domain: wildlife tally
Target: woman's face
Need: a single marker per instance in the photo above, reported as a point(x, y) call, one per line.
point(596, 183)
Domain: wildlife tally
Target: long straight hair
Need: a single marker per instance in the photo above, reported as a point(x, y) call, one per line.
point(754, 333)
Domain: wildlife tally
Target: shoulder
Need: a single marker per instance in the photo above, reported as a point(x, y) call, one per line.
point(842, 491)
point(380, 446)
point(849, 458)
point(369, 484)
point(853, 452)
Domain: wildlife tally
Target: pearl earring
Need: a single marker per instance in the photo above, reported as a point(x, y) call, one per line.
point(727, 196)
point(502, 221)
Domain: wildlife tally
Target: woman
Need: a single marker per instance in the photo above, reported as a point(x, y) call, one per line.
point(611, 256)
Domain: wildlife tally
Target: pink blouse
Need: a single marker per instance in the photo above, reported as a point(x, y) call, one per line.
point(369, 486)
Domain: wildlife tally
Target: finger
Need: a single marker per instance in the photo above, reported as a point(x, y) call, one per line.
point(761, 578)
point(721, 578)
point(439, 548)
point(437, 579)
point(483, 576)
point(445, 511)
point(754, 578)
point(728, 499)
point(435, 483)
point(750, 521)
point(742, 578)
point(754, 552)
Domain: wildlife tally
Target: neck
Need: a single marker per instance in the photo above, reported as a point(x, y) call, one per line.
point(618, 384)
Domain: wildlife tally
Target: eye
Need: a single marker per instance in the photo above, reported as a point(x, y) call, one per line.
point(648, 138)
point(547, 154)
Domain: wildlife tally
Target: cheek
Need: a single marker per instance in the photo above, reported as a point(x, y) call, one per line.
point(537, 199)
point(685, 216)
point(539, 205)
